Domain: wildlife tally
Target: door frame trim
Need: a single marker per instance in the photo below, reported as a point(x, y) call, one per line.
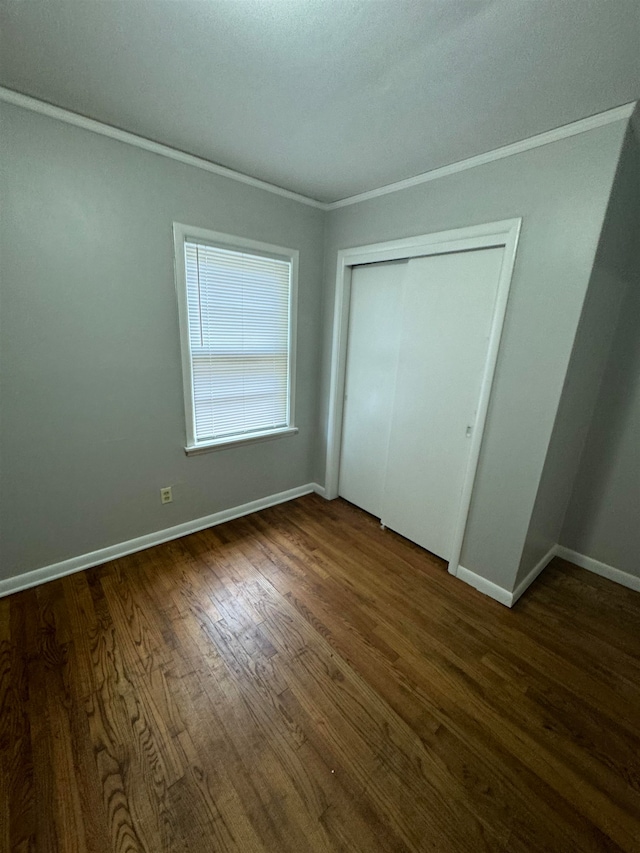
point(504, 233)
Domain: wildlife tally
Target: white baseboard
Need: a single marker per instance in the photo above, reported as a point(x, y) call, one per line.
point(598, 568)
point(499, 593)
point(483, 585)
point(526, 582)
point(113, 552)
point(584, 562)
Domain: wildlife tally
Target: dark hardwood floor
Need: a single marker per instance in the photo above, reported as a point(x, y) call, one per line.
point(299, 680)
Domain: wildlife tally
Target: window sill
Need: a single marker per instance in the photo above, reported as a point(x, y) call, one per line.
point(235, 441)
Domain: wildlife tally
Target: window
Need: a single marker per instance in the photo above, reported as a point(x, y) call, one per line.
point(236, 301)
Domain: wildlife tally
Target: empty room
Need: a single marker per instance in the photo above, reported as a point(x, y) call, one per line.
point(319, 426)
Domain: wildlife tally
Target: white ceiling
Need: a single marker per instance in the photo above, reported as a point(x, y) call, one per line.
point(326, 97)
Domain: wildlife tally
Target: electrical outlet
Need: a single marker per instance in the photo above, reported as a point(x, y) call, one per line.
point(165, 495)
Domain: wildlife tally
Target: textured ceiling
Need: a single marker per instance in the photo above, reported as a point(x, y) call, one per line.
point(325, 97)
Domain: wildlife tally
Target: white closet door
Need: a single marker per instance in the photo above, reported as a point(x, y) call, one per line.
point(446, 320)
point(372, 356)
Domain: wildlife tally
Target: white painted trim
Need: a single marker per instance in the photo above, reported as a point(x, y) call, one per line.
point(599, 568)
point(499, 593)
point(319, 490)
point(573, 129)
point(580, 560)
point(484, 586)
point(9, 96)
point(620, 113)
point(499, 314)
point(114, 552)
point(504, 233)
point(182, 233)
point(227, 443)
point(526, 582)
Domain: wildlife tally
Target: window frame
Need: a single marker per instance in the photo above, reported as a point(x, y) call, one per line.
point(182, 233)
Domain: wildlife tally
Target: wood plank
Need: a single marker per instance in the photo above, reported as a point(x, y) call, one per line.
point(399, 692)
point(18, 823)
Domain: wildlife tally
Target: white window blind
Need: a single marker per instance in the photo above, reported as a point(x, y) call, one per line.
point(239, 314)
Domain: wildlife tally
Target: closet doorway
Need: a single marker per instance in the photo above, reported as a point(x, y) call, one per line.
point(416, 334)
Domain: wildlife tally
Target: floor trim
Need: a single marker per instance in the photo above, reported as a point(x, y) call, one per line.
point(122, 549)
point(499, 593)
point(599, 568)
point(485, 586)
point(319, 490)
point(539, 567)
point(35, 577)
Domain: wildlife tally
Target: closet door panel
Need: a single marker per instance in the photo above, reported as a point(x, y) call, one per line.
point(445, 326)
point(372, 355)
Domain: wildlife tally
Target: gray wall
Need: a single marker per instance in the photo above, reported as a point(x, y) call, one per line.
point(561, 190)
point(92, 413)
point(615, 266)
point(92, 406)
point(602, 520)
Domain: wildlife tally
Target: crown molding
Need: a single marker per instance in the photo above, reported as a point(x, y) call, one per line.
point(620, 113)
point(598, 120)
point(9, 96)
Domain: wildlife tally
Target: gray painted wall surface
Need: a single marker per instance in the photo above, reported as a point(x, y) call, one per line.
point(92, 414)
point(602, 520)
point(561, 191)
point(614, 266)
point(92, 406)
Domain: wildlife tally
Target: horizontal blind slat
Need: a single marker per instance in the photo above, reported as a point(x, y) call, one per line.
point(238, 318)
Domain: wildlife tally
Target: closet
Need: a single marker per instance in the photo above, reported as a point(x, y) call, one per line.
point(417, 345)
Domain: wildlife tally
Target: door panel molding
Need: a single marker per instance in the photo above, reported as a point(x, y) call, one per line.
point(505, 234)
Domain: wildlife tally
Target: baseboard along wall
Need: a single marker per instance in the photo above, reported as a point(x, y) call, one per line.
point(599, 568)
point(499, 593)
point(581, 560)
point(485, 586)
point(26, 580)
